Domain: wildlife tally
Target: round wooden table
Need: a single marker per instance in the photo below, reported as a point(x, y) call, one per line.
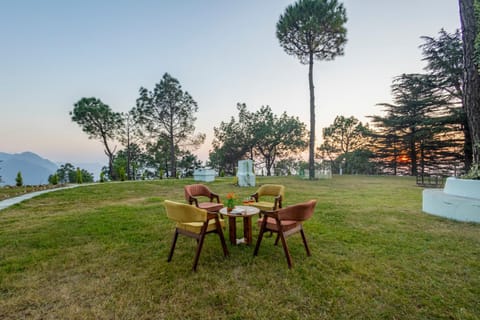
point(245, 212)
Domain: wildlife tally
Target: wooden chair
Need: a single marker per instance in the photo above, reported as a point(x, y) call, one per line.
point(193, 193)
point(274, 192)
point(194, 223)
point(286, 222)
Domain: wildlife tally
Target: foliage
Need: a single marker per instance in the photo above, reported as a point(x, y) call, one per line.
point(375, 255)
point(53, 179)
point(344, 136)
point(167, 112)
point(19, 179)
point(313, 29)
point(188, 163)
point(99, 122)
point(67, 173)
point(102, 176)
point(131, 135)
point(416, 125)
point(232, 141)
point(444, 58)
point(261, 135)
point(277, 137)
point(78, 176)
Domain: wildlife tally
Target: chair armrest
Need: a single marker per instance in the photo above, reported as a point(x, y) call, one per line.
point(192, 200)
point(214, 196)
point(255, 196)
point(271, 214)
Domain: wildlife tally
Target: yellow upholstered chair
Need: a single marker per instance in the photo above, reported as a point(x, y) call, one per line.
point(286, 222)
point(269, 197)
point(194, 223)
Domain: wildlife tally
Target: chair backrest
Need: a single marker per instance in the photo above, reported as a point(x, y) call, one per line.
point(181, 212)
point(298, 212)
point(273, 190)
point(194, 190)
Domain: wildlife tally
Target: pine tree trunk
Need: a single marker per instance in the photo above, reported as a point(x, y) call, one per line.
point(311, 155)
point(471, 83)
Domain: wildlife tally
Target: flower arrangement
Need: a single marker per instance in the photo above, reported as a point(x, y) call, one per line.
point(230, 201)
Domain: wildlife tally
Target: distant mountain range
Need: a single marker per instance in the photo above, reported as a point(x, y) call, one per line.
point(35, 169)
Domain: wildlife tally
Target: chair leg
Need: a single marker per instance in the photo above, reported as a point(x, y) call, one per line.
point(305, 242)
point(199, 246)
point(260, 236)
point(222, 238)
point(285, 248)
point(277, 238)
point(172, 248)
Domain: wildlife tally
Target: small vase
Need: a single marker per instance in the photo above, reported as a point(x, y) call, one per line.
point(229, 209)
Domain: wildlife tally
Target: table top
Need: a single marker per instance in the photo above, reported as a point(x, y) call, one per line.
point(239, 211)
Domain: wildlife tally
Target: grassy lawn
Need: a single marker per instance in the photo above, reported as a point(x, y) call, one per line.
point(100, 251)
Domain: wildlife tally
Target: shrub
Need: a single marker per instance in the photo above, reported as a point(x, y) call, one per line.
point(19, 179)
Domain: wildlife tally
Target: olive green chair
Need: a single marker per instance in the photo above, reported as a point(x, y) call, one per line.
point(195, 223)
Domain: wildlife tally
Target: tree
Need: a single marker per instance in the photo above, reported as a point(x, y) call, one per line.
point(261, 134)
point(1, 176)
point(416, 119)
point(232, 141)
point(66, 173)
point(99, 122)
point(313, 29)
point(276, 137)
point(471, 84)
point(345, 135)
point(53, 179)
point(168, 111)
point(79, 177)
point(19, 179)
point(444, 57)
point(130, 136)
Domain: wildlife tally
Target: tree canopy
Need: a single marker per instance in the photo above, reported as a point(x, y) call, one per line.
point(99, 121)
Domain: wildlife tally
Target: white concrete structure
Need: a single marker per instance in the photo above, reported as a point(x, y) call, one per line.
point(459, 200)
point(245, 174)
point(203, 174)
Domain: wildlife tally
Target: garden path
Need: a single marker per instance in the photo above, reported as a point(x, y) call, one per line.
point(11, 201)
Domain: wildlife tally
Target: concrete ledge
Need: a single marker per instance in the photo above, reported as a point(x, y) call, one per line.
point(455, 207)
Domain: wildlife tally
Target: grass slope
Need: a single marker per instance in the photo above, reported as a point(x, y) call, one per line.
point(99, 252)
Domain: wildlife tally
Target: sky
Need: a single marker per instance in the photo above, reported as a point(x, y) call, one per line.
point(55, 52)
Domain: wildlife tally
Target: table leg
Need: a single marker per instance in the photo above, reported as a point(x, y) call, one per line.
point(232, 230)
point(247, 229)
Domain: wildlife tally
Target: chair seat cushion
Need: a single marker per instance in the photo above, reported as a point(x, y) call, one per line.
point(263, 205)
point(196, 227)
point(210, 206)
point(272, 224)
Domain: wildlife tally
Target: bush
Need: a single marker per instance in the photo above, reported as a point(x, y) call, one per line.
point(53, 179)
point(19, 179)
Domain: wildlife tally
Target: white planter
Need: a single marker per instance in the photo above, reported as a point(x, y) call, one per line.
point(459, 200)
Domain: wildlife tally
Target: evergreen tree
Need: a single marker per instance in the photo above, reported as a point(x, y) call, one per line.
point(168, 113)
point(19, 179)
point(313, 29)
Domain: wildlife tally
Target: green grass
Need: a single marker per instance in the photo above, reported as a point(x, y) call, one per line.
point(100, 251)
